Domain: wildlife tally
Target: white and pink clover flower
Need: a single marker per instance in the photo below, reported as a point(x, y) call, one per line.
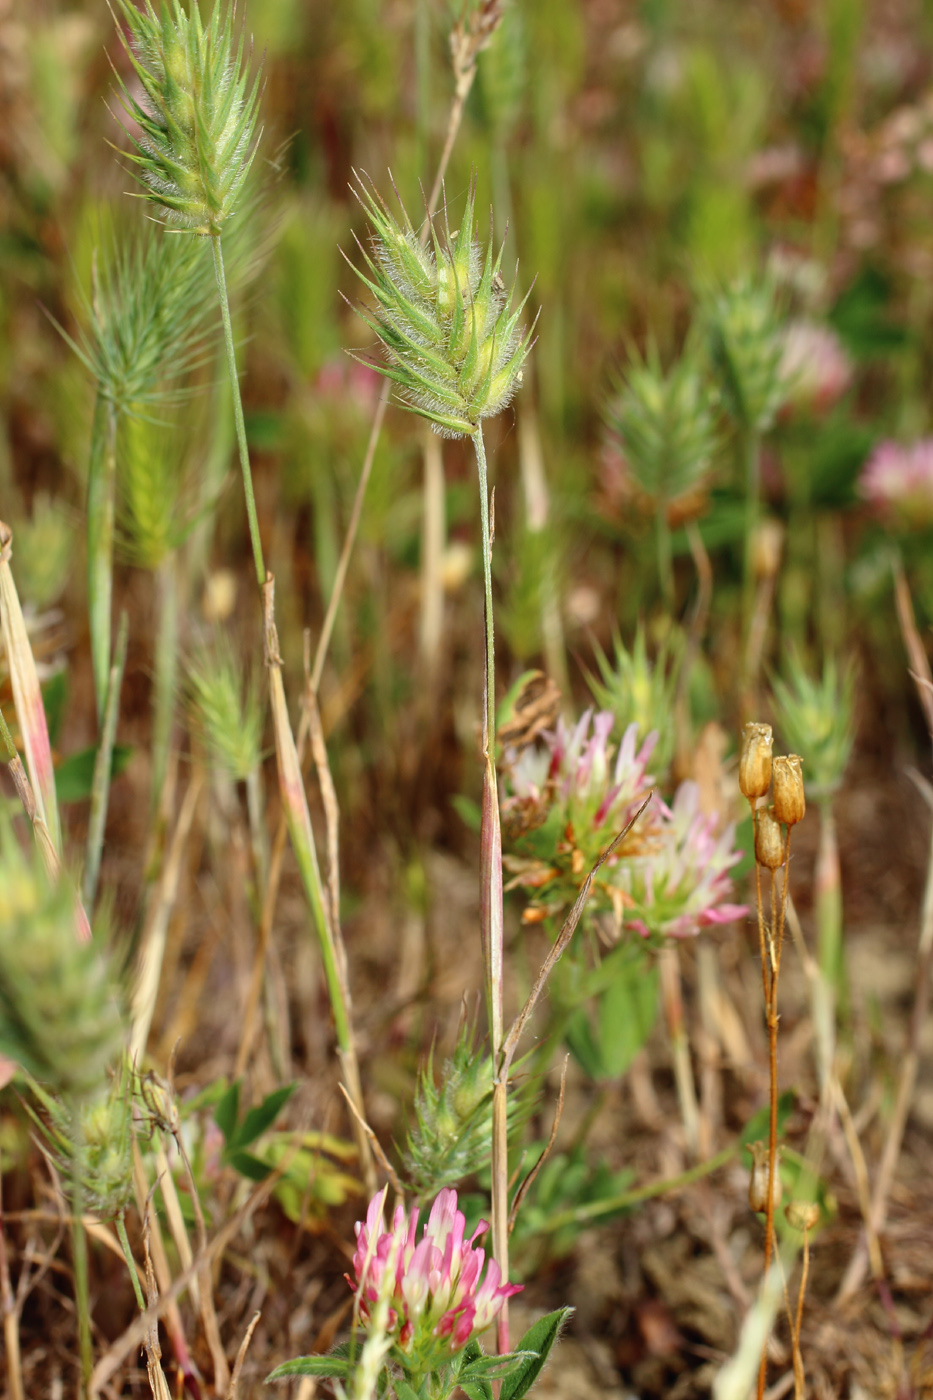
point(437, 1298)
point(814, 365)
point(897, 481)
point(592, 791)
point(682, 883)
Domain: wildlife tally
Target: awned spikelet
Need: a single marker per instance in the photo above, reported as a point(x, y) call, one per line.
point(454, 343)
point(60, 1016)
point(197, 118)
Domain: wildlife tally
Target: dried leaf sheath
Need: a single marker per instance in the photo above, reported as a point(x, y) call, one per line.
point(27, 696)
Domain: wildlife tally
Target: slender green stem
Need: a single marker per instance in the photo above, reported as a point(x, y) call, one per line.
point(238, 410)
point(310, 873)
point(665, 555)
point(489, 712)
point(592, 1210)
point(751, 448)
point(100, 790)
point(101, 490)
point(166, 668)
point(82, 1290)
point(130, 1261)
point(491, 913)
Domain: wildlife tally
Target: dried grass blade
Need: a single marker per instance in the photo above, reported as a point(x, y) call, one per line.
point(27, 696)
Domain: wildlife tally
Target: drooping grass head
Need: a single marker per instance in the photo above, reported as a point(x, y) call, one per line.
point(197, 118)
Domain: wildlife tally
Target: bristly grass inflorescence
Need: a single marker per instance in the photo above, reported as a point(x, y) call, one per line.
point(145, 317)
point(197, 121)
point(455, 345)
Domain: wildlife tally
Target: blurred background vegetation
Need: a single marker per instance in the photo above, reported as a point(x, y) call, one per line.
point(639, 156)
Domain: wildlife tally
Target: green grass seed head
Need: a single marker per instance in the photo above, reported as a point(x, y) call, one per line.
point(744, 333)
point(665, 427)
point(227, 713)
point(816, 720)
point(60, 1006)
point(197, 116)
point(454, 343)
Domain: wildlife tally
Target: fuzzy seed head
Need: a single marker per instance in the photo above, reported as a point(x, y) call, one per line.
point(665, 429)
point(815, 716)
point(755, 761)
point(197, 118)
point(60, 1015)
point(228, 715)
point(747, 350)
point(451, 1134)
point(789, 803)
point(454, 344)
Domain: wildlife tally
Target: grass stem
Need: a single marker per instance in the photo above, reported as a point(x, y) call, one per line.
point(82, 1287)
point(166, 669)
point(238, 410)
point(101, 492)
point(103, 764)
point(130, 1261)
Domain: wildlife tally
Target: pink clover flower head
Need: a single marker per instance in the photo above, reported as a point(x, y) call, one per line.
point(438, 1295)
point(682, 883)
point(814, 365)
point(595, 791)
point(897, 481)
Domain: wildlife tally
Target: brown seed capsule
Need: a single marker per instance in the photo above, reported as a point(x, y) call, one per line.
point(802, 1215)
point(769, 840)
point(767, 543)
point(789, 803)
point(755, 761)
point(758, 1181)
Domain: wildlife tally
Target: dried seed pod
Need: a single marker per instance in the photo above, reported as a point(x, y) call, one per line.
point(802, 1215)
point(767, 544)
point(769, 840)
point(755, 761)
point(789, 803)
point(758, 1181)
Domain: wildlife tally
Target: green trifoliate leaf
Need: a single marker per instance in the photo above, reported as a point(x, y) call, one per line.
point(539, 1339)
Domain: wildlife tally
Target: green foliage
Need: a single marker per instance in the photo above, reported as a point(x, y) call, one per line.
point(454, 344)
point(536, 1344)
point(240, 1133)
point(74, 776)
point(605, 1038)
point(567, 1180)
point(197, 119)
point(320, 1366)
point(313, 1177)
